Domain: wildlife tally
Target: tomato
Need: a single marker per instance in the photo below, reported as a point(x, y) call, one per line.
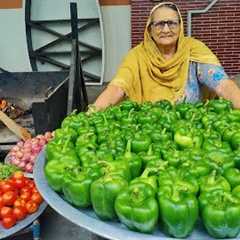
point(19, 212)
point(18, 175)
point(6, 212)
point(10, 181)
point(18, 183)
point(37, 198)
point(31, 184)
point(19, 202)
point(9, 221)
point(26, 196)
point(6, 186)
point(31, 207)
point(25, 189)
point(1, 202)
point(9, 198)
point(34, 190)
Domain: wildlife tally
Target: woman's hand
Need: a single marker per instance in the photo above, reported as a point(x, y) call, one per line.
point(229, 90)
point(110, 96)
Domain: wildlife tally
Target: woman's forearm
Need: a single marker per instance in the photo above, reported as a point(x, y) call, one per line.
point(110, 96)
point(229, 90)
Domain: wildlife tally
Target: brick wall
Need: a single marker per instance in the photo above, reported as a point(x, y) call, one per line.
point(219, 28)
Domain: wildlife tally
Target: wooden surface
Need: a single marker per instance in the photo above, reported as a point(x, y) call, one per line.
point(21, 132)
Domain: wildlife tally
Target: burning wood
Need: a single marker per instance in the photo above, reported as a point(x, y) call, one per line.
point(10, 109)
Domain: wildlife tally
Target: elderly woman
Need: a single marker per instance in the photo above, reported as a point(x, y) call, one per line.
point(168, 65)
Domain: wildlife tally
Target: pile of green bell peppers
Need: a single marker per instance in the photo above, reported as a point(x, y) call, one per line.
point(152, 165)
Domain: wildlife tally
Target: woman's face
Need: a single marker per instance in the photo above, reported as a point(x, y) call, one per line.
point(165, 27)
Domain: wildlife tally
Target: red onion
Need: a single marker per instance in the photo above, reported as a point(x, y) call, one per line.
point(22, 165)
point(48, 135)
point(35, 141)
point(12, 154)
point(19, 154)
point(26, 157)
point(27, 144)
point(15, 161)
point(29, 167)
point(32, 159)
point(20, 144)
point(24, 154)
point(42, 142)
point(15, 148)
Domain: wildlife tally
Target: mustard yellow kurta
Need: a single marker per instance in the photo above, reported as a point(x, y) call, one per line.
point(145, 75)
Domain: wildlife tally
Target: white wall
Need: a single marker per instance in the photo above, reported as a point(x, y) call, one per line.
point(117, 33)
point(13, 44)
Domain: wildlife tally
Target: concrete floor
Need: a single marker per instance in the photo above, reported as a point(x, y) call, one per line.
point(56, 227)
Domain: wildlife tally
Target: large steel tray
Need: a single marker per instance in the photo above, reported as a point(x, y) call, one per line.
point(87, 218)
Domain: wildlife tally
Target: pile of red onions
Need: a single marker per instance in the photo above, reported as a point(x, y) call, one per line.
point(23, 154)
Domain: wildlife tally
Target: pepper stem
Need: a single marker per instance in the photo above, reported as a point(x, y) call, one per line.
point(128, 149)
point(104, 119)
point(130, 112)
point(176, 192)
point(212, 177)
point(66, 143)
point(193, 117)
point(175, 195)
point(150, 150)
point(137, 196)
point(229, 198)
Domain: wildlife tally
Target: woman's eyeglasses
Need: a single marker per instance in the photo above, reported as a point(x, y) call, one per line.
point(159, 25)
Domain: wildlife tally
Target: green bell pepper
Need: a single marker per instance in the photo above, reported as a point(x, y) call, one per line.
point(65, 133)
point(148, 176)
point(140, 142)
point(221, 216)
point(149, 156)
point(229, 131)
point(196, 168)
point(137, 208)
point(236, 158)
point(219, 105)
point(178, 211)
point(235, 140)
point(234, 115)
point(57, 148)
point(233, 176)
point(77, 183)
point(161, 135)
point(173, 157)
point(164, 104)
point(116, 167)
point(103, 194)
point(171, 176)
point(183, 138)
point(236, 191)
point(212, 182)
point(133, 160)
point(223, 160)
point(54, 171)
point(127, 105)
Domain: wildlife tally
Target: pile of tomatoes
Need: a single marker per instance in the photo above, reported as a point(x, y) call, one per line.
point(19, 197)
